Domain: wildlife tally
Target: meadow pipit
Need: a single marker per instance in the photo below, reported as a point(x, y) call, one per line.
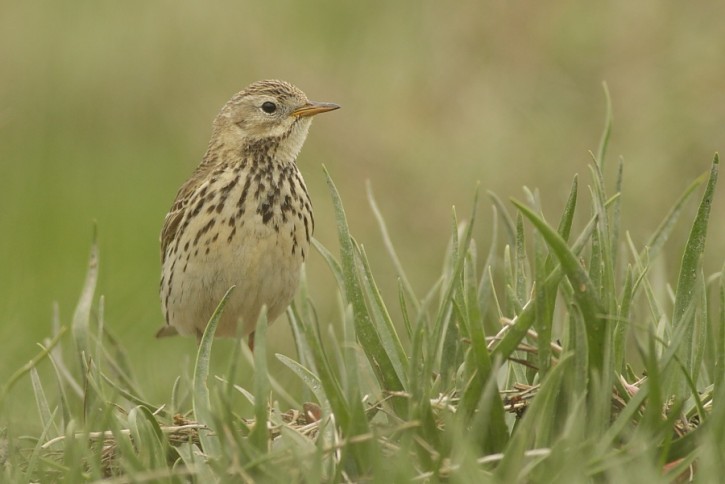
point(243, 218)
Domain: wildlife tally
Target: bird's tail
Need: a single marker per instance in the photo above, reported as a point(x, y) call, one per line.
point(166, 331)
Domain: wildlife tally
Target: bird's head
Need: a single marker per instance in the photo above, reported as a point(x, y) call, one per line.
point(269, 110)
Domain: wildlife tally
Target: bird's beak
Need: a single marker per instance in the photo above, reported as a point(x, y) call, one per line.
point(312, 108)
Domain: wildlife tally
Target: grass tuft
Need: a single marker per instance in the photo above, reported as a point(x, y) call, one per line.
point(553, 358)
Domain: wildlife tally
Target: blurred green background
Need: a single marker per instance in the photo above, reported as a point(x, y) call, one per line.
point(105, 109)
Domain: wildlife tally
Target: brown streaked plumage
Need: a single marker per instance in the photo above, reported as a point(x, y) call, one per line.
point(243, 218)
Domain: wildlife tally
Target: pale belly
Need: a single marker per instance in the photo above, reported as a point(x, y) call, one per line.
point(263, 269)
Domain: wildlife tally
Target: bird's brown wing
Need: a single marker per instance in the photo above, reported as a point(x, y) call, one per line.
point(166, 330)
point(171, 223)
point(170, 231)
point(178, 209)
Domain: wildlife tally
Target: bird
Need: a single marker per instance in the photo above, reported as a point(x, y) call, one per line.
point(243, 218)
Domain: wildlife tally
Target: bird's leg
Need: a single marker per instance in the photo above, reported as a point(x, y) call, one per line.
point(251, 342)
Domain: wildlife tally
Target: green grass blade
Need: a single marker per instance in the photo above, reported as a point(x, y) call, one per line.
point(699, 332)
point(176, 398)
point(622, 325)
point(299, 327)
point(20, 372)
point(384, 323)
point(657, 240)
point(513, 306)
point(604, 141)
point(584, 291)
point(616, 219)
point(392, 253)
point(326, 372)
point(482, 389)
point(567, 218)
point(194, 464)
point(310, 379)
point(486, 291)
point(487, 427)
point(98, 352)
point(521, 289)
point(200, 399)
point(508, 222)
point(517, 332)
point(128, 457)
point(540, 411)
point(362, 453)
point(148, 439)
point(331, 262)
point(81, 317)
point(478, 360)
point(544, 301)
point(35, 456)
point(601, 270)
point(404, 311)
point(364, 328)
point(694, 248)
point(456, 263)
point(260, 433)
point(685, 296)
point(41, 401)
point(719, 376)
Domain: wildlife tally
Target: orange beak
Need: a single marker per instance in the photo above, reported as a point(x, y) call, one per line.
point(313, 107)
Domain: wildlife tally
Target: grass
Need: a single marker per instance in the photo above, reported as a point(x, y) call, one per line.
point(563, 356)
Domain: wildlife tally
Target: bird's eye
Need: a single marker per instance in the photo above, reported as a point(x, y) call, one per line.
point(269, 107)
